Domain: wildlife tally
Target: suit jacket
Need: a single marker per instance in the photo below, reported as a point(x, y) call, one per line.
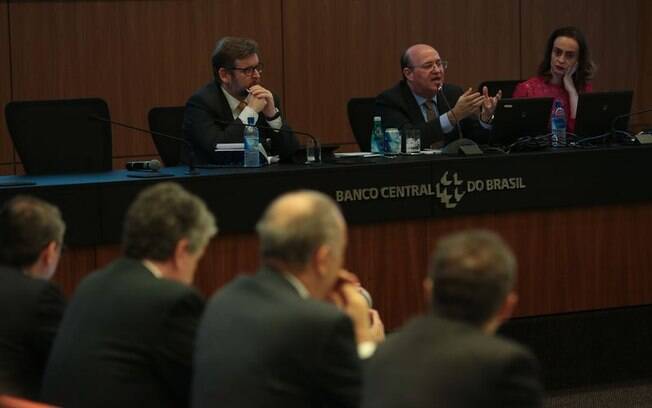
point(397, 108)
point(31, 310)
point(200, 128)
point(261, 345)
point(126, 340)
point(435, 362)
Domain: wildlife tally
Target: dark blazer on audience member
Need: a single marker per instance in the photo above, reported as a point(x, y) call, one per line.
point(126, 340)
point(435, 362)
point(261, 345)
point(30, 310)
point(200, 128)
point(398, 107)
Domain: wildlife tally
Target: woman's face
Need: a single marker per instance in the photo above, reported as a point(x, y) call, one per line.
point(564, 56)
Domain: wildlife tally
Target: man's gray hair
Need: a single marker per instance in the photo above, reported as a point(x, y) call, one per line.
point(160, 217)
point(472, 273)
point(293, 235)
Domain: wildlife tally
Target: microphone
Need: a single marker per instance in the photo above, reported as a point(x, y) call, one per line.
point(457, 122)
point(366, 295)
point(191, 151)
point(143, 165)
point(462, 145)
point(311, 137)
point(615, 131)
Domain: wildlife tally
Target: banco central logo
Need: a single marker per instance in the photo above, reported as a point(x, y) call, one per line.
point(450, 190)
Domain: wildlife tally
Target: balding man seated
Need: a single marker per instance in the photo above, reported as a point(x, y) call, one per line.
point(439, 110)
point(273, 339)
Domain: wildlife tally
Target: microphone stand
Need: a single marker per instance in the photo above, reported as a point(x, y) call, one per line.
point(632, 139)
point(467, 146)
point(192, 171)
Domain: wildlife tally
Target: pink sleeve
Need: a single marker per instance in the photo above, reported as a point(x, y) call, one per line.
point(521, 91)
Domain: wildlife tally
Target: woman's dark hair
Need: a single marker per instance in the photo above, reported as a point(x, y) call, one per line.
point(585, 66)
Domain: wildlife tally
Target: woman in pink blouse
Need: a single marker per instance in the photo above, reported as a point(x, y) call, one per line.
point(564, 72)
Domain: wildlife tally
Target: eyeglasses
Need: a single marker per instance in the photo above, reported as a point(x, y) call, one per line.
point(441, 64)
point(249, 71)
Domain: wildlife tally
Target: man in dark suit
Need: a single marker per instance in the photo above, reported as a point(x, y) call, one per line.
point(451, 357)
point(126, 339)
point(422, 100)
point(216, 113)
point(31, 237)
point(272, 340)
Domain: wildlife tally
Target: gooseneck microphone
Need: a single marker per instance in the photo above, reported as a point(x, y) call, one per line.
point(457, 122)
point(466, 146)
point(615, 131)
point(296, 132)
point(191, 152)
point(366, 295)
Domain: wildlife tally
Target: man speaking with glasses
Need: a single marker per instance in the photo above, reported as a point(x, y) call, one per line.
point(216, 113)
point(438, 110)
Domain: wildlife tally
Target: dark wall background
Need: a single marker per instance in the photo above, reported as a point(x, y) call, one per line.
point(318, 53)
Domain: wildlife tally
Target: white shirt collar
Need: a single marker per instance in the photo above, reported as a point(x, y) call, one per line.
point(365, 349)
point(300, 288)
point(233, 102)
point(420, 99)
point(152, 268)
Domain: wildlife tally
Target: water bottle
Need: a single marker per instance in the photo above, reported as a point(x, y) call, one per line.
point(251, 140)
point(377, 137)
point(558, 125)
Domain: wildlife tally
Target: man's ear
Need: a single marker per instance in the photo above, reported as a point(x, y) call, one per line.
point(47, 261)
point(407, 72)
point(181, 251)
point(427, 290)
point(320, 259)
point(51, 252)
point(508, 306)
point(223, 74)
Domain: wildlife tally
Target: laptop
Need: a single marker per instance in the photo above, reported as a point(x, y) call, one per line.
point(597, 110)
point(521, 117)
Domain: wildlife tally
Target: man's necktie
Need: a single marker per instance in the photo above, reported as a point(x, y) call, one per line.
point(431, 114)
point(431, 110)
point(240, 108)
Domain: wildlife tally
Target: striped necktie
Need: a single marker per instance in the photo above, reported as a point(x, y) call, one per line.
point(240, 108)
point(431, 110)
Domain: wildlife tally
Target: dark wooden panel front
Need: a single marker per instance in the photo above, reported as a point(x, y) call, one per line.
point(569, 260)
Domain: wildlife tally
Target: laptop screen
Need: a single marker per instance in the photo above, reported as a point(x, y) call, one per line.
point(516, 118)
point(597, 110)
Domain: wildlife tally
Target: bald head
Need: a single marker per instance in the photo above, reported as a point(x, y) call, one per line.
point(422, 69)
point(414, 52)
point(296, 224)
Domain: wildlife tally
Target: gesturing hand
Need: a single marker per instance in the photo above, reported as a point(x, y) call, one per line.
point(468, 104)
point(489, 104)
